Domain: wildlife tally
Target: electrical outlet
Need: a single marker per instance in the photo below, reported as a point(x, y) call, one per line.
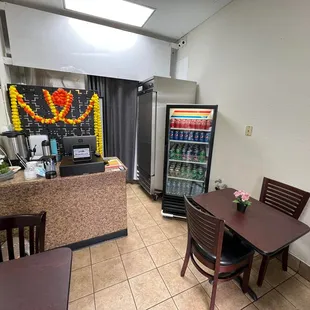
point(248, 130)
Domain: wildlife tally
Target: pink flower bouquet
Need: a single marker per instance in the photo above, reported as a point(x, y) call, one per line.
point(242, 198)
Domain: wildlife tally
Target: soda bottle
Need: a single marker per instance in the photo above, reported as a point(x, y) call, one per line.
point(201, 136)
point(181, 135)
point(194, 173)
point(209, 124)
point(186, 135)
point(183, 171)
point(191, 136)
point(202, 155)
point(178, 188)
point(196, 136)
point(200, 124)
point(189, 153)
point(195, 154)
point(168, 187)
point(184, 152)
point(196, 124)
point(186, 123)
point(172, 152)
point(189, 171)
point(178, 151)
point(177, 123)
point(182, 123)
point(171, 170)
point(200, 173)
point(188, 188)
point(207, 137)
point(173, 187)
point(172, 123)
point(171, 134)
point(176, 135)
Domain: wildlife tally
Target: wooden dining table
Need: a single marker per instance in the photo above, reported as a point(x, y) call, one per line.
point(40, 281)
point(266, 229)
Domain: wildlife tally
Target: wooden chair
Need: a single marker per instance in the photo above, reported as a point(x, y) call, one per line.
point(216, 249)
point(284, 198)
point(36, 225)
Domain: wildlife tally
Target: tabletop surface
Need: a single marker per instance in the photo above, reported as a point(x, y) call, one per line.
point(39, 281)
point(267, 229)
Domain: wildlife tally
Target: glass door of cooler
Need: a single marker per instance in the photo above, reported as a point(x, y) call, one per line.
point(190, 134)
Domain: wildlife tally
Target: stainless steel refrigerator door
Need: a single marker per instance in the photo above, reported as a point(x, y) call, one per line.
point(147, 139)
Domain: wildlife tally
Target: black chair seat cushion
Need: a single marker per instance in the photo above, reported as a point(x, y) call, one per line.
point(233, 251)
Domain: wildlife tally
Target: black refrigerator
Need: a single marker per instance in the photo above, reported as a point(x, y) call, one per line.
point(189, 141)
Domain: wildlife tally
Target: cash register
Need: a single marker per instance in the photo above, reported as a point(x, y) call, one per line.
point(80, 157)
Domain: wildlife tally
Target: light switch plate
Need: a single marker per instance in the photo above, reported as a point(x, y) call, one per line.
point(248, 130)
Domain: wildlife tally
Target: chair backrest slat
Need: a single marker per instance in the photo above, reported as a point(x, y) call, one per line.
point(205, 229)
point(9, 239)
point(21, 239)
point(31, 239)
point(34, 224)
point(285, 198)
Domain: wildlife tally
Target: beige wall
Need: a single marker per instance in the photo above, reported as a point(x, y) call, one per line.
point(253, 59)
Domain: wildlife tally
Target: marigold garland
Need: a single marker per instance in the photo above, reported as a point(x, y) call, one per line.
point(59, 98)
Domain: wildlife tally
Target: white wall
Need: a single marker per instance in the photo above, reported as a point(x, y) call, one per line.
point(253, 59)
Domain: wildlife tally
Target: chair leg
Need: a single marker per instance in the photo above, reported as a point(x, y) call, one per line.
point(187, 255)
point(213, 295)
point(262, 270)
point(246, 276)
point(285, 259)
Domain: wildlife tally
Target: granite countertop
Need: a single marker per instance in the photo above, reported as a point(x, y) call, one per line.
point(19, 176)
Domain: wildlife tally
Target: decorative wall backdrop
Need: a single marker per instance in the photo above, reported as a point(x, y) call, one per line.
point(33, 96)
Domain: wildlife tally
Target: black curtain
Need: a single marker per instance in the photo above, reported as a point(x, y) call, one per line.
point(119, 118)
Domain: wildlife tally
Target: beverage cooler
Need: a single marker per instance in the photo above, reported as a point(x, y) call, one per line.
point(188, 154)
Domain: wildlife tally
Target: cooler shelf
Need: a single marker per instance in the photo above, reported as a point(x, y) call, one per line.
point(187, 162)
point(186, 141)
point(192, 129)
point(183, 179)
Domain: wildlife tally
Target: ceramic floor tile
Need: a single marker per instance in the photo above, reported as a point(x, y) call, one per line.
point(85, 303)
point(180, 244)
point(274, 275)
point(259, 291)
point(130, 243)
point(103, 251)
point(132, 201)
point(250, 307)
point(148, 289)
point(130, 193)
point(172, 229)
point(199, 276)
point(175, 283)
point(137, 262)
point(130, 225)
point(302, 280)
point(143, 220)
point(296, 293)
point(108, 273)
point(81, 283)
point(183, 223)
point(228, 296)
point(163, 253)
point(274, 301)
point(195, 298)
point(80, 258)
point(166, 305)
point(136, 210)
point(152, 235)
point(117, 297)
point(155, 211)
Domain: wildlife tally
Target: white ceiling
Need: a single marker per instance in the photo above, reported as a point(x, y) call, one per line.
point(172, 18)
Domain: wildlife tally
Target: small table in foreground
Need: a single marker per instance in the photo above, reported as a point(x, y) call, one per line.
point(267, 230)
point(39, 281)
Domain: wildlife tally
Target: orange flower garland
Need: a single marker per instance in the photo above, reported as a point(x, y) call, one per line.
point(60, 98)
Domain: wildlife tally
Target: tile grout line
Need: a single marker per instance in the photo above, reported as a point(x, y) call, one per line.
point(92, 277)
point(133, 297)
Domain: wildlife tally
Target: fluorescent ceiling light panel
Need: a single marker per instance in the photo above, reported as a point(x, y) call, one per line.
point(116, 10)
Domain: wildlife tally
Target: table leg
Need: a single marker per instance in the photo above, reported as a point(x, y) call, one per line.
point(250, 292)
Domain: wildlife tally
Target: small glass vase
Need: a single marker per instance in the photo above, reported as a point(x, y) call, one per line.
point(241, 207)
